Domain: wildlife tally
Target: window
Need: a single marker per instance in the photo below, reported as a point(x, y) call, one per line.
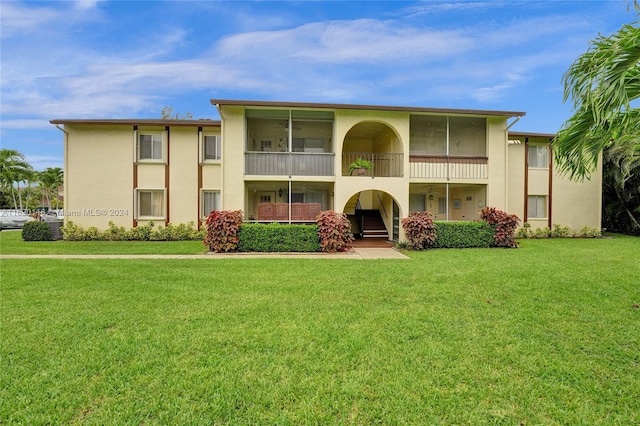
point(150, 147)
point(151, 203)
point(212, 147)
point(538, 156)
point(536, 206)
point(210, 202)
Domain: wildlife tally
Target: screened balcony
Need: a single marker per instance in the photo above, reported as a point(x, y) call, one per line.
point(444, 147)
point(288, 164)
point(283, 142)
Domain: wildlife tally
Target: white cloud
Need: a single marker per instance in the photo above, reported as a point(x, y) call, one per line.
point(339, 60)
point(17, 19)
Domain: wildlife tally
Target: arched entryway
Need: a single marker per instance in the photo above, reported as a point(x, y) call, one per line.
point(374, 217)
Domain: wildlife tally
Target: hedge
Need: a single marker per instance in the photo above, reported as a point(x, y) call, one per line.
point(276, 237)
point(464, 234)
point(36, 231)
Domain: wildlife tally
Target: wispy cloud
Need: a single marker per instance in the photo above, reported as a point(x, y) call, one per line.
point(340, 60)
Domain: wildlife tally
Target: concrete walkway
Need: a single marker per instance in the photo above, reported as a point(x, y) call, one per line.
point(356, 253)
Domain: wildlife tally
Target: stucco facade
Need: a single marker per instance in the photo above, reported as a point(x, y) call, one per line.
point(286, 161)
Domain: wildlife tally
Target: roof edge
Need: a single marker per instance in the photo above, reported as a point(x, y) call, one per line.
point(222, 102)
point(141, 121)
point(532, 134)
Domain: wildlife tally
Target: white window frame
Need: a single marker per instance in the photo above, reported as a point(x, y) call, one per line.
point(538, 149)
point(203, 192)
point(533, 207)
point(139, 215)
point(218, 148)
point(154, 137)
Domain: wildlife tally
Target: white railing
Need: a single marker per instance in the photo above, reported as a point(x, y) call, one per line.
point(383, 164)
point(288, 164)
point(447, 167)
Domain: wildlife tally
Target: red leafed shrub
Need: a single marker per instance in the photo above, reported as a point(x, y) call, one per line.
point(334, 231)
point(420, 230)
point(222, 230)
point(505, 224)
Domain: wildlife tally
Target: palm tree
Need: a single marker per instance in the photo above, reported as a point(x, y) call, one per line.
point(50, 180)
point(604, 85)
point(14, 168)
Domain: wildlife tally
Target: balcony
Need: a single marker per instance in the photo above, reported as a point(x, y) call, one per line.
point(292, 212)
point(448, 167)
point(384, 164)
point(288, 164)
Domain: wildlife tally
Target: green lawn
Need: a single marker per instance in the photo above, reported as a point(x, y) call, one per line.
point(545, 334)
point(11, 243)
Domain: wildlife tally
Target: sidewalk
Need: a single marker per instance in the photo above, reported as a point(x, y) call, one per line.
point(356, 253)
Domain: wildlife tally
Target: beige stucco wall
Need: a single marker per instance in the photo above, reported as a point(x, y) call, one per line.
point(99, 175)
point(577, 204)
point(183, 175)
point(515, 194)
point(233, 140)
point(573, 204)
point(497, 182)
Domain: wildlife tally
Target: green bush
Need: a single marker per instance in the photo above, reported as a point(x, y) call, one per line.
point(181, 232)
point(464, 234)
point(588, 232)
point(36, 231)
point(276, 237)
point(557, 231)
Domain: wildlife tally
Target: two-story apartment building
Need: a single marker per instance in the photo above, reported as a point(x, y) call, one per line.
point(286, 162)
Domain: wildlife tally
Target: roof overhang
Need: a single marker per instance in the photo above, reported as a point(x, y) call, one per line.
point(139, 122)
point(310, 105)
point(531, 135)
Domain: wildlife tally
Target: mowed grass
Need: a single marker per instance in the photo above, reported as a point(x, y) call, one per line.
point(11, 243)
point(545, 334)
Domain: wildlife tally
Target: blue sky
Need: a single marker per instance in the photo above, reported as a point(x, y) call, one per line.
point(122, 59)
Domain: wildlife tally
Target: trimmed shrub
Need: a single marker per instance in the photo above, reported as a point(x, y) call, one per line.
point(464, 234)
point(222, 230)
point(557, 232)
point(114, 233)
point(36, 231)
point(140, 233)
point(73, 232)
point(560, 231)
point(588, 232)
point(181, 232)
point(505, 224)
point(276, 237)
point(334, 231)
point(420, 230)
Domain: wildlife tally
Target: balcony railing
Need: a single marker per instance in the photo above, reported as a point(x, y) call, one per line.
point(295, 212)
point(288, 164)
point(447, 167)
point(384, 164)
